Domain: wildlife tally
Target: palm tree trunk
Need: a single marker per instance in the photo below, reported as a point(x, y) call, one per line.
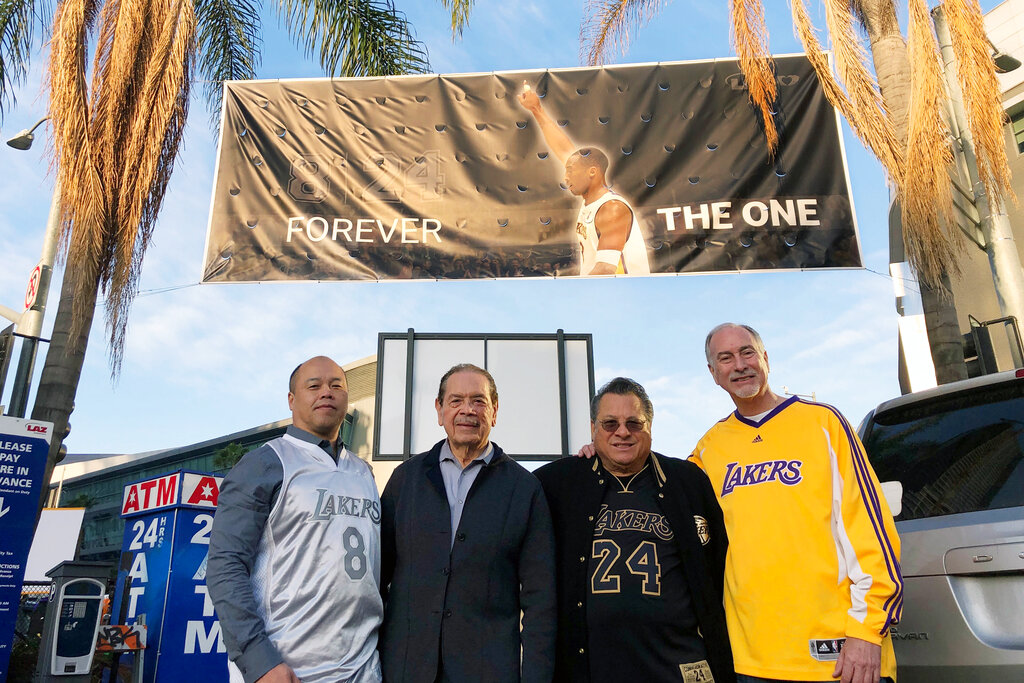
point(944, 335)
point(58, 384)
point(892, 68)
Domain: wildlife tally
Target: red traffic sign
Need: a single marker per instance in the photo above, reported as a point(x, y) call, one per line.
point(33, 286)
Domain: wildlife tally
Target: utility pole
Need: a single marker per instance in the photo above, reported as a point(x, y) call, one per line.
point(30, 321)
point(997, 234)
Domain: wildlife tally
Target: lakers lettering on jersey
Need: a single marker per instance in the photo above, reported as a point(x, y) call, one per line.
point(633, 257)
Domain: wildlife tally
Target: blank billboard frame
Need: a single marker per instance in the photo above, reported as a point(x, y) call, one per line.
point(404, 409)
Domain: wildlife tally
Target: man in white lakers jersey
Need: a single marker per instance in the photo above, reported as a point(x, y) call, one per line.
point(294, 565)
point(812, 577)
point(607, 229)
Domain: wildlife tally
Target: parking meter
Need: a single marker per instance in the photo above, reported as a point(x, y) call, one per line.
point(72, 620)
point(78, 618)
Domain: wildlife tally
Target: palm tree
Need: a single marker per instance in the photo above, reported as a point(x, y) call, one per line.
point(116, 136)
point(891, 59)
point(907, 102)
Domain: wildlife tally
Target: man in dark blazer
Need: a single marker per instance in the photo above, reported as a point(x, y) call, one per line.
point(467, 546)
point(640, 545)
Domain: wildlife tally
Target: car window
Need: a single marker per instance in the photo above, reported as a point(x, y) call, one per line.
point(957, 453)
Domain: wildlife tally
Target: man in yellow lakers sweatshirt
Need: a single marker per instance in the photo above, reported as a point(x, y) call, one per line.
point(812, 578)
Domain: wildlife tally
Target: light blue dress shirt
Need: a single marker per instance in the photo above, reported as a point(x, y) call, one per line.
point(458, 480)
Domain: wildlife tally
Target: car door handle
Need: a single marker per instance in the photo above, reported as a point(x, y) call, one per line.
point(994, 558)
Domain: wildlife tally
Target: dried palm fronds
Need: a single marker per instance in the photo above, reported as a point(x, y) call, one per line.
point(122, 142)
point(981, 93)
point(917, 166)
point(607, 24)
point(82, 201)
point(750, 40)
point(864, 108)
point(149, 147)
point(115, 141)
point(927, 204)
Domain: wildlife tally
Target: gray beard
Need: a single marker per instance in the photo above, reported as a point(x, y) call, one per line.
point(750, 391)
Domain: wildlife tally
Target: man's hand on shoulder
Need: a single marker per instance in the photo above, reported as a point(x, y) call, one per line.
point(859, 662)
point(282, 673)
point(587, 451)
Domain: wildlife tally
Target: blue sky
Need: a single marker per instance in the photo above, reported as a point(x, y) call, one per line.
point(207, 360)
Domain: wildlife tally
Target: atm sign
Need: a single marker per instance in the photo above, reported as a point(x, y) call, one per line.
point(201, 490)
point(149, 495)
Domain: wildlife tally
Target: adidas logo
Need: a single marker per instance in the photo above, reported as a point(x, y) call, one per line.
point(823, 648)
point(757, 439)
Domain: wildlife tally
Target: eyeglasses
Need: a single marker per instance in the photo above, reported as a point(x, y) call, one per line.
point(612, 426)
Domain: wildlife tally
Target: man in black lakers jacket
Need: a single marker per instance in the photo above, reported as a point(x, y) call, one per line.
point(640, 550)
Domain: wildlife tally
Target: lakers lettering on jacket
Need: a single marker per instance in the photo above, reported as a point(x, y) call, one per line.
point(329, 505)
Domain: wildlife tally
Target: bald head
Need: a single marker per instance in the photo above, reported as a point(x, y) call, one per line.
point(758, 343)
point(298, 368)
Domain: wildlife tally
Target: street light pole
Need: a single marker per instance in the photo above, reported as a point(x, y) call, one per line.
point(30, 322)
point(30, 326)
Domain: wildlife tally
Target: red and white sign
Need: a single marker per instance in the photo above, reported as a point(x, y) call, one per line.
point(151, 495)
point(200, 489)
point(33, 286)
point(35, 429)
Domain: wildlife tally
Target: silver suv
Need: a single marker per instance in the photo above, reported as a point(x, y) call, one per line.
point(958, 451)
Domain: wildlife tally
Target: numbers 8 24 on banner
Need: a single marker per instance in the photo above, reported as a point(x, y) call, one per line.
point(391, 178)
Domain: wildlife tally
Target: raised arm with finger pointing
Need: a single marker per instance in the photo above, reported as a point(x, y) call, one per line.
point(558, 142)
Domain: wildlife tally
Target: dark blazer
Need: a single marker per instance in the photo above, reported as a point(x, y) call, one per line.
point(575, 488)
point(464, 603)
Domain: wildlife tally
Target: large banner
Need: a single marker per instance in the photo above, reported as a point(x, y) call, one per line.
point(652, 168)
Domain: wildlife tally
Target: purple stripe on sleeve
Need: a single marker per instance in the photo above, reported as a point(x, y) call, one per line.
point(861, 467)
point(893, 604)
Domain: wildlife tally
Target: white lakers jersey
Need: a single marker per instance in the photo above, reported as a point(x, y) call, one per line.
point(632, 259)
point(317, 572)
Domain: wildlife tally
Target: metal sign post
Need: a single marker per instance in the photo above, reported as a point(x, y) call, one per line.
point(6, 349)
